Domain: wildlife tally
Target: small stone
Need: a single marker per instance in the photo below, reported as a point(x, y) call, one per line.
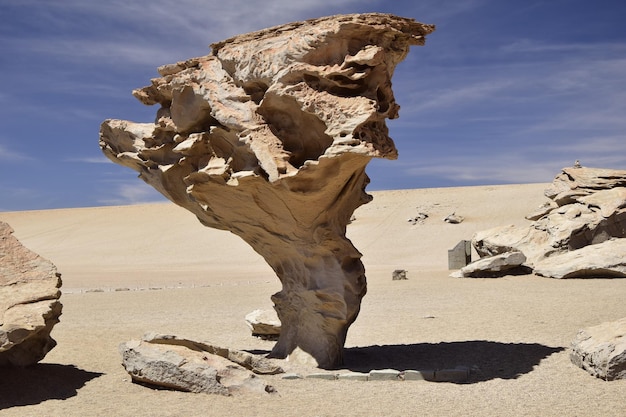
point(384, 375)
point(292, 375)
point(398, 275)
point(453, 219)
point(321, 375)
point(264, 324)
point(353, 376)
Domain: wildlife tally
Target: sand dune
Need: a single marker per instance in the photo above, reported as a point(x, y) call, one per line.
point(196, 282)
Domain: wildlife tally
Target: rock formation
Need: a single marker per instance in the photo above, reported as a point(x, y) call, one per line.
point(578, 233)
point(29, 302)
point(601, 350)
point(171, 362)
point(268, 137)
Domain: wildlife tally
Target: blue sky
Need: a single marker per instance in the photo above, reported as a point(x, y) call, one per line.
point(503, 92)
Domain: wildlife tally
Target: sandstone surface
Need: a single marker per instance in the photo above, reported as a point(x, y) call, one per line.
point(268, 137)
point(601, 350)
point(29, 302)
point(575, 233)
point(171, 362)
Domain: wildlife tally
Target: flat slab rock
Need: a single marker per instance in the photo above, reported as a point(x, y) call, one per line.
point(601, 350)
point(492, 266)
point(605, 259)
point(167, 361)
point(29, 302)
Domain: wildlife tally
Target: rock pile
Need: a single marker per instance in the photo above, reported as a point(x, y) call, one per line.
point(29, 302)
point(268, 137)
point(580, 232)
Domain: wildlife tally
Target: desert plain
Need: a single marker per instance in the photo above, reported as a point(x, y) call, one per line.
point(128, 270)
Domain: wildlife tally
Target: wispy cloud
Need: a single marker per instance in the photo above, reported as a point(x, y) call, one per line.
point(137, 192)
point(158, 31)
point(90, 160)
point(501, 169)
point(9, 155)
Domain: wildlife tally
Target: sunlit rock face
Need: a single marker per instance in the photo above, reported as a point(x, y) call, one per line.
point(268, 137)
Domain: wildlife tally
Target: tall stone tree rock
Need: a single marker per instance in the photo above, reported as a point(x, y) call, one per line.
point(268, 137)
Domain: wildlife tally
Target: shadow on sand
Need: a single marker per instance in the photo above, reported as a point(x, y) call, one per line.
point(35, 384)
point(488, 360)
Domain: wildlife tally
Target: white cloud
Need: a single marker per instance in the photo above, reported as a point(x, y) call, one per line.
point(159, 31)
point(91, 160)
point(136, 192)
point(7, 154)
point(492, 169)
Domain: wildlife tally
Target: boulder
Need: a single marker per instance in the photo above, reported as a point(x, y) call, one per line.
point(268, 137)
point(587, 208)
point(604, 260)
point(264, 324)
point(493, 266)
point(601, 350)
point(182, 364)
point(29, 302)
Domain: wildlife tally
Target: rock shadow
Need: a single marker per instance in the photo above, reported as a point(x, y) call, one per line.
point(487, 360)
point(41, 382)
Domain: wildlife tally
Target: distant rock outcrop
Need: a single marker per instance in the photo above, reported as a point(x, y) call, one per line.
point(268, 137)
point(579, 233)
point(181, 364)
point(601, 350)
point(29, 302)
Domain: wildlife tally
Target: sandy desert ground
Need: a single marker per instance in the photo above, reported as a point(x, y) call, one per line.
point(129, 270)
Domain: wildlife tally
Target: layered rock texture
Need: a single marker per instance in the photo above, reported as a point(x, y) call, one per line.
point(580, 232)
point(601, 350)
point(176, 363)
point(29, 302)
point(268, 137)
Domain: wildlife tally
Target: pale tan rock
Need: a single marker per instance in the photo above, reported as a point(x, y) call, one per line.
point(29, 302)
point(268, 137)
point(178, 367)
point(264, 324)
point(601, 350)
point(588, 208)
point(492, 266)
point(606, 259)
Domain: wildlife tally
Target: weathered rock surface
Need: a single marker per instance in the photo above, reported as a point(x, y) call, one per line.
point(186, 365)
point(264, 324)
point(268, 137)
point(587, 208)
point(601, 350)
point(492, 266)
point(29, 302)
point(606, 259)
